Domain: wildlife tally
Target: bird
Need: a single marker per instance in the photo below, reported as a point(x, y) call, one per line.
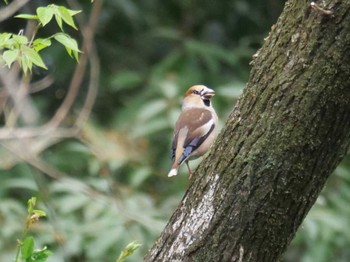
point(195, 129)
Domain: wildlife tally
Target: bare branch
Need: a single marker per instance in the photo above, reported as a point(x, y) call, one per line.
point(80, 69)
point(41, 84)
point(12, 8)
point(88, 31)
point(17, 90)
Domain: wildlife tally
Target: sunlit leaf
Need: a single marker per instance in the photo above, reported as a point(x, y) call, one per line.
point(26, 64)
point(59, 21)
point(4, 37)
point(45, 14)
point(69, 43)
point(27, 16)
point(66, 16)
point(73, 12)
point(10, 56)
point(27, 247)
point(33, 56)
point(41, 43)
point(31, 204)
point(128, 250)
point(39, 213)
point(20, 39)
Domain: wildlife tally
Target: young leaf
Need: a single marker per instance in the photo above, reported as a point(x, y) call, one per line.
point(45, 14)
point(40, 213)
point(59, 21)
point(75, 55)
point(69, 43)
point(41, 255)
point(27, 247)
point(10, 56)
point(27, 16)
point(128, 250)
point(4, 37)
point(66, 16)
point(41, 43)
point(26, 64)
point(31, 205)
point(33, 56)
point(20, 39)
point(73, 12)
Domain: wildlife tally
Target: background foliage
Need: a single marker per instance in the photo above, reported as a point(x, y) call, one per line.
point(106, 185)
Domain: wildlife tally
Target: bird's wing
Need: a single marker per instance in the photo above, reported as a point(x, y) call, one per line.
point(192, 128)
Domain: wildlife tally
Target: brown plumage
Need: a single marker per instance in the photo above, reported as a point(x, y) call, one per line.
point(195, 129)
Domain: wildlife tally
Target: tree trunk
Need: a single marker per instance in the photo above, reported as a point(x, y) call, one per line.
point(286, 134)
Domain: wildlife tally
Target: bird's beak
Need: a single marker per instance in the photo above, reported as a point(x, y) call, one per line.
point(208, 93)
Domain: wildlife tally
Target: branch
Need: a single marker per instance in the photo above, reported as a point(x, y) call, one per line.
point(11, 9)
point(79, 72)
point(20, 103)
point(88, 32)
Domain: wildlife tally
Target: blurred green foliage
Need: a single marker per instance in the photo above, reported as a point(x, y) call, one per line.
point(150, 53)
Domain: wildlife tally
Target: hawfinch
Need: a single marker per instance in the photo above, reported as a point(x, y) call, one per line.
point(195, 129)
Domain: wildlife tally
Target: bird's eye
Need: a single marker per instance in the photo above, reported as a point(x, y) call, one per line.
point(195, 92)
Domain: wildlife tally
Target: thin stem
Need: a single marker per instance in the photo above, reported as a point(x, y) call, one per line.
point(20, 241)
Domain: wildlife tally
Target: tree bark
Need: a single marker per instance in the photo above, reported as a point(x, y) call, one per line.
point(286, 134)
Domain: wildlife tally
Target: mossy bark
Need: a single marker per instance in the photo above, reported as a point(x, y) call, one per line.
point(286, 134)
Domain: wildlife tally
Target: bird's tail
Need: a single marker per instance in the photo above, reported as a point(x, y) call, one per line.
point(173, 172)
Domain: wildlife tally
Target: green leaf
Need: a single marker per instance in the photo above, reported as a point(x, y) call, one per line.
point(128, 250)
point(33, 56)
point(41, 43)
point(41, 255)
point(27, 16)
point(45, 14)
point(27, 247)
point(20, 39)
point(73, 12)
point(31, 205)
point(4, 37)
point(39, 212)
point(66, 16)
point(69, 43)
point(26, 64)
point(59, 21)
point(10, 56)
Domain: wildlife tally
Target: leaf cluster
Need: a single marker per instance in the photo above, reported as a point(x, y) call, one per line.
point(26, 244)
point(26, 51)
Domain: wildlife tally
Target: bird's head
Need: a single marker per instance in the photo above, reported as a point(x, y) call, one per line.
point(198, 96)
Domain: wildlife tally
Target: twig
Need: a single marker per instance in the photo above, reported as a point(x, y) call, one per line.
point(79, 72)
point(41, 84)
point(12, 8)
point(36, 132)
point(94, 66)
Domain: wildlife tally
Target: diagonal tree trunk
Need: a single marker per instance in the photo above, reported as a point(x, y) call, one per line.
point(287, 133)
